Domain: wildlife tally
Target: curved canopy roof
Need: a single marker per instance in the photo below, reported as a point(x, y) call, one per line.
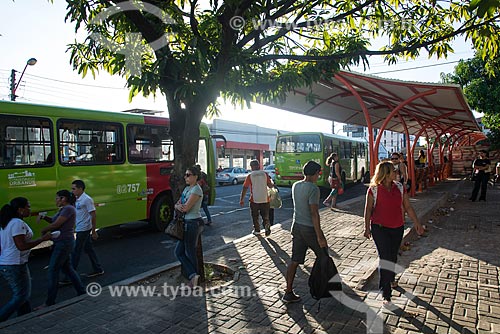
point(437, 108)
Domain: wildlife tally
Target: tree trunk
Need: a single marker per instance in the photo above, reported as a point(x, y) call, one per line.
point(185, 132)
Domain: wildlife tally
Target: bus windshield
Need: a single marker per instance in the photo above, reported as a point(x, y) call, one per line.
point(294, 149)
point(299, 143)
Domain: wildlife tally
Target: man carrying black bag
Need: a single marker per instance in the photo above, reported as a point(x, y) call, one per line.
point(324, 277)
point(306, 228)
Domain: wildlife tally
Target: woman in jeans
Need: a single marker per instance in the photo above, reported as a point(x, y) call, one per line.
point(15, 246)
point(189, 204)
point(63, 221)
point(386, 204)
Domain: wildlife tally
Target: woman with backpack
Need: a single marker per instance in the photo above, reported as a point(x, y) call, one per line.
point(386, 203)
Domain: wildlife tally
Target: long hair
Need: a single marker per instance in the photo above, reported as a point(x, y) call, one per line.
point(9, 211)
point(329, 160)
point(382, 171)
point(70, 198)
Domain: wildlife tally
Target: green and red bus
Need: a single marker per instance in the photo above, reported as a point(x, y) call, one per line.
point(125, 160)
point(294, 149)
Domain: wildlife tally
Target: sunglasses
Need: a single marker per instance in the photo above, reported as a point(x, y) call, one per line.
point(394, 158)
point(187, 175)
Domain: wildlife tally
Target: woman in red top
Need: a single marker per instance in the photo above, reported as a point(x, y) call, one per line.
point(386, 204)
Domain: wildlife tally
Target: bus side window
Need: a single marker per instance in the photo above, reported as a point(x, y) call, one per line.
point(83, 142)
point(148, 144)
point(24, 141)
point(98, 150)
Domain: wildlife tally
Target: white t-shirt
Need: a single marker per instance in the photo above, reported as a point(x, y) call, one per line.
point(259, 186)
point(84, 206)
point(9, 253)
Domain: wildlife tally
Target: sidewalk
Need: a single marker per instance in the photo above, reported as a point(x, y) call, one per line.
point(450, 283)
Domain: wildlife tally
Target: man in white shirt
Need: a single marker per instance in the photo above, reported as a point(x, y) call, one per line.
point(258, 181)
point(85, 228)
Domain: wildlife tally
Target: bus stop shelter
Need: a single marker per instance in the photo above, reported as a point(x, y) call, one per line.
point(439, 112)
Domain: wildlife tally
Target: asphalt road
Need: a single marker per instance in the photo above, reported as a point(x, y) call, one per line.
point(129, 249)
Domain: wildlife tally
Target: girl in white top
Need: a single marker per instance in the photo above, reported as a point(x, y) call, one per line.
point(15, 245)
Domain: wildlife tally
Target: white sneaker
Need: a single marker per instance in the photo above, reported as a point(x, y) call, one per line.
point(256, 232)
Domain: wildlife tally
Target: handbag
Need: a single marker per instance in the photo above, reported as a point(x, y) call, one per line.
point(340, 189)
point(175, 228)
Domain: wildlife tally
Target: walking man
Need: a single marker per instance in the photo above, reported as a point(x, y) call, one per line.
point(306, 228)
point(258, 181)
point(85, 228)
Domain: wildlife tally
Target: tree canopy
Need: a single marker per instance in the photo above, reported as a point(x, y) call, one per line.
point(480, 81)
point(194, 51)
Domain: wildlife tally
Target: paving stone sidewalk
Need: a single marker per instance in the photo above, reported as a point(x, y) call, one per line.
point(452, 277)
point(445, 281)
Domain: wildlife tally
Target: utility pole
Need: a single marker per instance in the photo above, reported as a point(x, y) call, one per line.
point(13, 85)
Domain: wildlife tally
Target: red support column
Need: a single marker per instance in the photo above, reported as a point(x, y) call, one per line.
point(372, 152)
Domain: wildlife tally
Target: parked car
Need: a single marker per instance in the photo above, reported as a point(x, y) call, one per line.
point(270, 169)
point(232, 175)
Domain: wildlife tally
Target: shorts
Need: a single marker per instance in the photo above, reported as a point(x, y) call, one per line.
point(303, 237)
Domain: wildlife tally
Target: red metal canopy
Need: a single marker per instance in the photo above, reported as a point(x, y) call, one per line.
point(428, 109)
point(339, 99)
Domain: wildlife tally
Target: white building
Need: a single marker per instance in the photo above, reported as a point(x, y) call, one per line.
point(389, 143)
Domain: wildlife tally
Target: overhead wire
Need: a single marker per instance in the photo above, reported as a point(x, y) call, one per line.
point(52, 87)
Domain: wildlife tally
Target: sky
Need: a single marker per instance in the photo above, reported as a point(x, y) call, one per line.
point(36, 28)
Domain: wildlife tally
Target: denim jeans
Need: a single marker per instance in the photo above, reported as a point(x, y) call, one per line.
point(204, 206)
point(84, 243)
point(388, 240)
point(185, 250)
point(61, 260)
point(19, 279)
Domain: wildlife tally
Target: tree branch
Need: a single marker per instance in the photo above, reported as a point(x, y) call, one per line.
point(285, 28)
point(338, 56)
point(192, 18)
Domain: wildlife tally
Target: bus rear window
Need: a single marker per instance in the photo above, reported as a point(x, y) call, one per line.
point(25, 141)
point(299, 143)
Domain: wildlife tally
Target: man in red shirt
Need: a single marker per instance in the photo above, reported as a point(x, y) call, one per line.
point(258, 181)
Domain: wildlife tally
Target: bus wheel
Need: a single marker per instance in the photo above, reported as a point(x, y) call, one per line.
point(161, 212)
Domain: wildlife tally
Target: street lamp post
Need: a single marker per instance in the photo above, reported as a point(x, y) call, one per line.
point(13, 85)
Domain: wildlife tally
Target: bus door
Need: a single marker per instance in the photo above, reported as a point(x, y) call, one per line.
point(27, 162)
